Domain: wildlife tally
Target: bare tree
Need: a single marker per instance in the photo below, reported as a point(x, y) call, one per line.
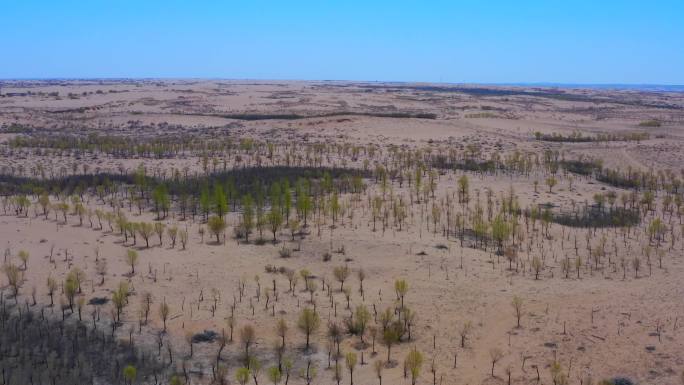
point(495, 355)
point(281, 331)
point(247, 337)
point(378, 365)
point(101, 269)
point(464, 332)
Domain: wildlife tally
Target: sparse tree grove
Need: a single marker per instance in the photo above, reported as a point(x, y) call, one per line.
point(323, 295)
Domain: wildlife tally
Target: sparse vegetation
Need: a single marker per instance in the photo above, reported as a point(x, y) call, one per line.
point(416, 244)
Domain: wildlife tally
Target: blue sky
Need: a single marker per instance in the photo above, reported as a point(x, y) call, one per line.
point(495, 41)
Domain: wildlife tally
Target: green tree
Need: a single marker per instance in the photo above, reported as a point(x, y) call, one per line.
point(132, 259)
point(536, 266)
point(414, 362)
point(172, 232)
point(183, 237)
point(216, 225)
point(287, 200)
point(63, 207)
point(517, 304)
point(160, 198)
point(401, 288)
point(600, 200)
point(341, 274)
point(14, 277)
point(146, 230)
point(463, 189)
point(44, 201)
point(164, 311)
point(120, 298)
point(350, 360)
point(334, 206)
point(52, 287)
point(254, 368)
point(308, 323)
point(159, 230)
point(247, 215)
point(275, 220)
point(361, 318)
point(70, 289)
point(390, 336)
point(242, 375)
point(500, 231)
point(337, 373)
point(303, 200)
point(275, 375)
point(130, 373)
point(551, 182)
point(656, 229)
point(220, 201)
point(24, 257)
point(205, 202)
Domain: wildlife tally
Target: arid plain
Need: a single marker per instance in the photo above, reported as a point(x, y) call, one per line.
point(336, 232)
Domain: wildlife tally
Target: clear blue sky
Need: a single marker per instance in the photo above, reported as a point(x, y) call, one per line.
point(495, 41)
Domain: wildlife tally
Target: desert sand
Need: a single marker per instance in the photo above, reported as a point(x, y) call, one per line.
point(596, 302)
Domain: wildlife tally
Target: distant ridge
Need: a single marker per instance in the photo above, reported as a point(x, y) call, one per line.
point(23, 82)
point(607, 86)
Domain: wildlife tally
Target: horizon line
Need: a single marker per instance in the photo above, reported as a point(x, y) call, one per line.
point(546, 84)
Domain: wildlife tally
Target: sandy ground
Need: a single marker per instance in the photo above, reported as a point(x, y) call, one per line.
point(598, 325)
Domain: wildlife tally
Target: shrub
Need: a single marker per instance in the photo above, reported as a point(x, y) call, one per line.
point(650, 123)
point(285, 252)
